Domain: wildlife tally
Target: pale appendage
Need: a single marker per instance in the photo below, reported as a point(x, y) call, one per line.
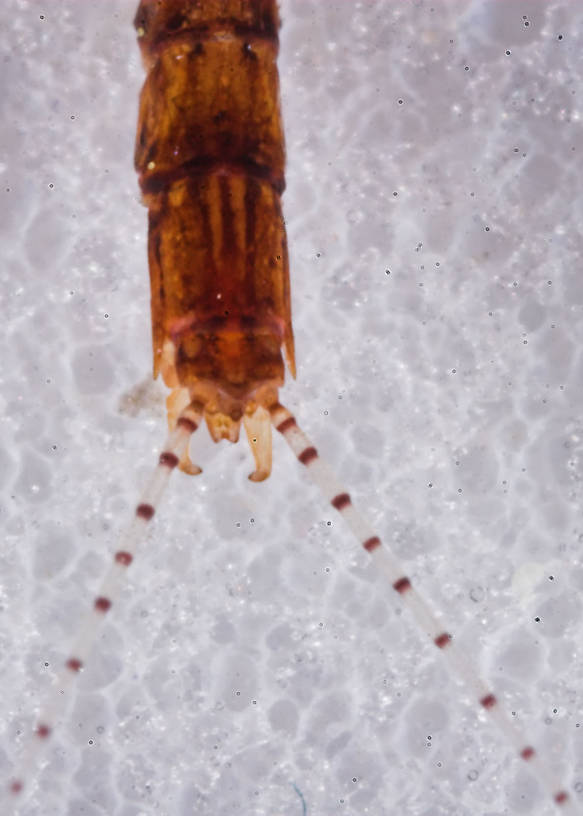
point(176, 402)
point(258, 427)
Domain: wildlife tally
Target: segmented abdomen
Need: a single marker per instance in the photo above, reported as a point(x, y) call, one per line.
point(210, 155)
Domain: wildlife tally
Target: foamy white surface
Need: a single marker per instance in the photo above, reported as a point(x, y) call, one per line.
point(434, 213)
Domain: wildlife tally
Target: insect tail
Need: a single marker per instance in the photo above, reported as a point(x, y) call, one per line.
point(109, 591)
point(460, 664)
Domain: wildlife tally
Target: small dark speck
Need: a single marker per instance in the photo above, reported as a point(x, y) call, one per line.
point(400, 101)
point(90, 742)
point(106, 315)
point(453, 371)
point(51, 185)
point(467, 68)
point(487, 229)
point(72, 116)
point(395, 194)
point(551, 577)
point(42, 17)
point(430, 484)
point(387, 271)
point(560, 37)
point(537, 619)
point(508, 52)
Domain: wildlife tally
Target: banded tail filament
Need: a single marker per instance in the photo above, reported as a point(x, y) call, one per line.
point(210, 158)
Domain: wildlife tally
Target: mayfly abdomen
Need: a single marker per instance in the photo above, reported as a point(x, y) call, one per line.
point(210, 155)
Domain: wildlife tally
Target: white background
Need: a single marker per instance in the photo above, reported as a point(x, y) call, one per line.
point(437, 296)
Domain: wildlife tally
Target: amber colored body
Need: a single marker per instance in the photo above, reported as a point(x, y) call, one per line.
point(210, 157)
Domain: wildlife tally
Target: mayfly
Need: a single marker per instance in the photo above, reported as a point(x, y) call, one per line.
point(210, 158)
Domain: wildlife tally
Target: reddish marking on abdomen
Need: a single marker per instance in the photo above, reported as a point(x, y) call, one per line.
point(124, 558)
point(286, 425)
point(233, 326)
point(102, 604)
point(341, 501)
point(186, 423)
point(372, 543)
point(145, 511)
point(308, 455)
point(489, 701)
point(442, 640)
point(74, 664)
point(169, 460)
point(16, 786)
point(402, 585)
point(527, 753)
point(43, 731)
point(561, 797)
